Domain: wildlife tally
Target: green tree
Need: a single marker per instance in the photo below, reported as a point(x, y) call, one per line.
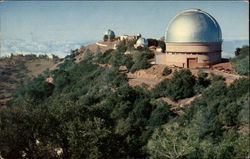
point(241, 61)
point(61, 79)
point(202, 82)
point(237, 51)
point(162, 44)
point(87, 138)
point(160, 115)
point(182, 84)
point(171, 142)
point(105, 37)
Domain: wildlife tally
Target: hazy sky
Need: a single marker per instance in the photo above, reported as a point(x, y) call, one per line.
point(87, 21)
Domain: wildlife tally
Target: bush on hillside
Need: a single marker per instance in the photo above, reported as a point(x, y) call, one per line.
point(66, 64)
point(166, 71)
point(242, 66)
point(105, 37)
point(241, 61)
point(36, 90)
point(141, 63)
point(215, 78)
point(91, 112)
point(162, 44)
point(152, 42)
point(140, 60)
point(202, 82)
point(180, 86)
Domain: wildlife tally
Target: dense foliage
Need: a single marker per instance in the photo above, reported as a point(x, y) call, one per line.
point(241, 61)
point(211, 128)
point(180, 86)
point(90, 112)
point(18, 69)
point(159, 43)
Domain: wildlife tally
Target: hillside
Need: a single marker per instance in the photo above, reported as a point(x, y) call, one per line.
point(17, 70)
point(90, 110)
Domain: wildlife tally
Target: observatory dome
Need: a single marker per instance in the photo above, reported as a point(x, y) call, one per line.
point(193, 25)
point(110, 33)
point(142, 42)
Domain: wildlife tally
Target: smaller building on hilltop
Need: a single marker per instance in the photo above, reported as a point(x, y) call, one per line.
point(141, 42)
point(129, 37)
point(109, 35)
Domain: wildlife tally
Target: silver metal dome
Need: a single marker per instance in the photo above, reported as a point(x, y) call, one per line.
point(142, 41)
point(193, 25)
point(110, 33)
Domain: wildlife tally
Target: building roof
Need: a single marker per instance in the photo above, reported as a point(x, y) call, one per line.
point(142, 41)
point(193, 25)
point(110, 33)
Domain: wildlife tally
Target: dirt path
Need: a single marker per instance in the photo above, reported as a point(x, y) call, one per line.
point(225, 75)
point(229, 78)
point(138, 81)
point(150, 82)
point(174, 106)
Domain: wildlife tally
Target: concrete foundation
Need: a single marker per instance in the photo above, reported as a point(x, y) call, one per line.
point(190, 55)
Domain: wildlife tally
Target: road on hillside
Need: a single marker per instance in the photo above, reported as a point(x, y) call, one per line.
point(150, 82)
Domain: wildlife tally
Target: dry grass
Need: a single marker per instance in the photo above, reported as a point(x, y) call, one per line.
point(18, 69)
point(94, 47)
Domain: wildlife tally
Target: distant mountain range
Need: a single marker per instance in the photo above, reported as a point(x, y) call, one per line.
point(62, 48)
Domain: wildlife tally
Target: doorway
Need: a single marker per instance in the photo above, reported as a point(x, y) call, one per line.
point(192, 62)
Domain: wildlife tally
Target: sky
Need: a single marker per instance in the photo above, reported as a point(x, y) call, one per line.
point(85, 21)
point(88, 20)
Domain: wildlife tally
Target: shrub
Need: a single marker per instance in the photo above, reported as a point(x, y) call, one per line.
point(171, 141)
point(215, 78)
point(202, 82)
point(239, 88)
point(160, 115)
point(152, 42)
point(162, 44)
point(105, 37)
point(66, 64)
point(242, 66)
point(61, 79)
point(180, 86)
point(140, 64)
point(241, 61)
point(166, 71)
point(237, 51)
point(140, 60)
point(37, 90)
